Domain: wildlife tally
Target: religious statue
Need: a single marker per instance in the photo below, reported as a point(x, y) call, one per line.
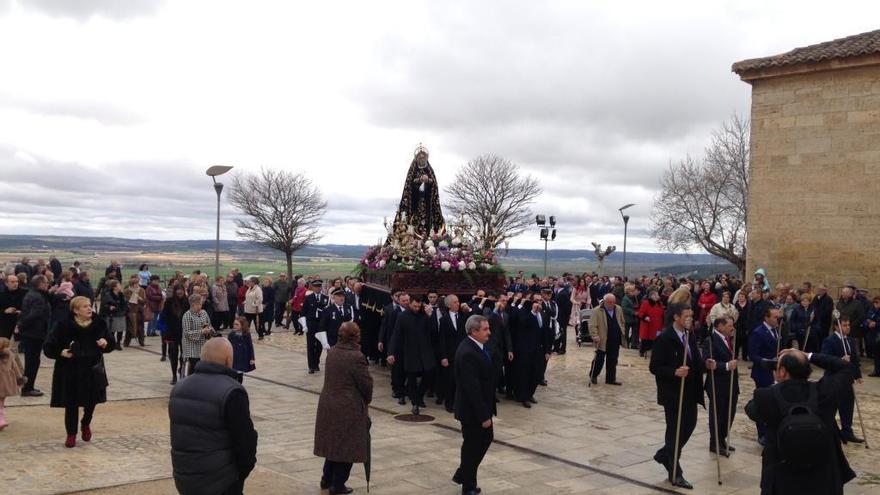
point(420, 202)
point(601, 255)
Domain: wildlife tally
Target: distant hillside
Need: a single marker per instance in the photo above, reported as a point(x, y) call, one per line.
point(560, 258)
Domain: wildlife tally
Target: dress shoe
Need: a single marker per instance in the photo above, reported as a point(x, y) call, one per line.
point(162, 359)
point(682, 483)
point(341, 490)
point(70, 442)
point(422, 404)
point(874, 374)
point(395, 395)
point(324, 484)
point(439, 400)
point(730, 448)
point(311, 372)
point(662, 460)
point(532, 400)
point(173, 381)
point(475, 491)
point(32, 393)
point(613, 383)
point(415, 410)
point(851, 438)
point(450, 409)
point(724, 451)
point(543, 383)
point(497, 400)
point(593, 380)
point(526, 405)
point(401, 400)
point(86, 434)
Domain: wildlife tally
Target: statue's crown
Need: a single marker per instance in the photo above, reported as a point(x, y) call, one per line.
point(421, 149)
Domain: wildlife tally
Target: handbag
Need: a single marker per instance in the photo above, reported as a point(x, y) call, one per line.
point(99, 373)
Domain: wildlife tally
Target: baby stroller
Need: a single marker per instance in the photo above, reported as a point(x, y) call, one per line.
point(583, 333)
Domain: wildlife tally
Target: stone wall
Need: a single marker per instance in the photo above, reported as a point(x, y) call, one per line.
point(815, 192)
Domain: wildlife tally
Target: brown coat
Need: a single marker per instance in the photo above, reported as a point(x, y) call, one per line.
point(10, 372)
point(343, 423)
point(599, 326)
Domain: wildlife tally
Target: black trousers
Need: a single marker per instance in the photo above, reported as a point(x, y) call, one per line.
point(608, 359)
point(559, 344)
point(236, 488)
point(529, 369)
point(71, 415)
point(294, 318)
point(230, 315)
point(279, 312)
point(445, 388)
point(475, 443)
point(191, 365)
point(252, 319)
point(688, 423)
point(721, 398)
point(632, 334)
point(336, 473)
point(220, 319)
point(398, 376)
point(417, 384)
point(846, 408)
point(31, 348)
point(313, 351)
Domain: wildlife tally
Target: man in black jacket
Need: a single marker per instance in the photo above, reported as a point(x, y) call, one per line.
point(389, 320)
point(822, 308)
point(10, 306)
point(675, 356)
point(313, 308)
point(792, 373)
point(531, 349)
point(213, 440)
point(415, 344)
point(500, 343)
point(334, 315)
point(474, 401)
point(724, 375)
point(451, 333)
point(33, 327)
point(563, 300)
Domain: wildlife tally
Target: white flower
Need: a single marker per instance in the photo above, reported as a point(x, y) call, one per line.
point(472, 266)
point(456, 241)
point(429, 243)
point(432, 250)
point(486, 266)
point(381, 264)
point(461, 265)
point(445, 266)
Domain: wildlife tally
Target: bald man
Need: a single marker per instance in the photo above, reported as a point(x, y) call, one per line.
point(213, 440)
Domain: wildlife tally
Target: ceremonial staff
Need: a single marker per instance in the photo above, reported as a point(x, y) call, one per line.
point(715, 411)
point(809, 327)
point(836, 315)
point(687, 344)
point(733, 376)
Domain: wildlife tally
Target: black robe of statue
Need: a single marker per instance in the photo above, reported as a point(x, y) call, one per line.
point(422, 208)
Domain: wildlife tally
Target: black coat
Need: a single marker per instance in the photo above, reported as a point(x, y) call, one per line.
point(755, 318)
point(389, 318)
point(173, 322)
point(776, 479)
point(499, 342)
point(33, 322)
point(413, 336)
point(332, 318)
point(73, 379)
point(475, 384)
point(563, 300)
point(721, 354)
point(667, 355)
point(449, 336)
point(528, 337)
point(823, 306)
point(9, 299)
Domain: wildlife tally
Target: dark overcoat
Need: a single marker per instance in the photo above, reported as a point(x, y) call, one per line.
point(73, 379)
point(343, 423)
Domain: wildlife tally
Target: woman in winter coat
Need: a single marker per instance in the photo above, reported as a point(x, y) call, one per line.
point(221, 303)
point(172, 314)
point(342, 426)
point(724, 308)
point(743, 306)
point(296, 304)
point(705, 303)
point(79, 379)
point(267, 319)
point(650, 321)
point(253, 303)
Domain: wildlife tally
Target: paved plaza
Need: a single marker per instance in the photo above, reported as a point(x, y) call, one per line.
point(597, 440)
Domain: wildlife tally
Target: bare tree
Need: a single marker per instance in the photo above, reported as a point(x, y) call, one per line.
point(703, 202)
point(281, 209)
point(494, 197)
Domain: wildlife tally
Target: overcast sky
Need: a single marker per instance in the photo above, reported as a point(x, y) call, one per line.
point(110, 111)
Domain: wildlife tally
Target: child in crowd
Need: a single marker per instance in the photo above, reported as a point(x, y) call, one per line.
point(65, 288)
point(242, 346)
point(11, 377)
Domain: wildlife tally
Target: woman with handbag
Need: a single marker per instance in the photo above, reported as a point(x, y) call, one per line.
point(78, 345)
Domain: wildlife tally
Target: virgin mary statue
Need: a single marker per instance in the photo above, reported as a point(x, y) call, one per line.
point(420, 202)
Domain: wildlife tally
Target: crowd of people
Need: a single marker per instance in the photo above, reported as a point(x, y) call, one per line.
point(695, 332)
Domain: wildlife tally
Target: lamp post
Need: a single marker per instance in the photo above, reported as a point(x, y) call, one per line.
point(213, 172)
point(625, 224)
point(547, 234)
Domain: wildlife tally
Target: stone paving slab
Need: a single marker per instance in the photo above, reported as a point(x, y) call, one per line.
point(576, 440)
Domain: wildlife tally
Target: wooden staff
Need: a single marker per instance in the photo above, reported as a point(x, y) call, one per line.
point(733, 375)
point(680, 404)
point(836, 315)
point(715, 412)
point(809, 327)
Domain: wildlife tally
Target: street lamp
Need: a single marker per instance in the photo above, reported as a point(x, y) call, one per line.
point(625, 224)
point(213, 172)
point(547, 234)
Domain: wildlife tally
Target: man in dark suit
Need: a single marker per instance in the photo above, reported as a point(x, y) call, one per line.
point(334, 315)
point(398, 375)
point(676, 357)
point(757, 311)
point(725, 375)
point(840, 344)
point(764, 343)
point(531, 349)
point(474, 401)
point(313, 308)
point(414, 339)
point(792, 372)
point(500, 343)
point(822, 307)
point(563, 301)
point(450, 334)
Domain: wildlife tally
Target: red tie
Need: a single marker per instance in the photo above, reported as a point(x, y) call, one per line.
point(729, 346)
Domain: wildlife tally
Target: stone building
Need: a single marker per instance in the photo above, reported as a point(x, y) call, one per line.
point(815, 185)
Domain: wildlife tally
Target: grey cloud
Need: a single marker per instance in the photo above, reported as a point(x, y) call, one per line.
point(100, 112)
point(84, 9)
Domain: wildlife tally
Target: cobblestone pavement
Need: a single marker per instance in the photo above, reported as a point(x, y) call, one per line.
point(593, 441)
